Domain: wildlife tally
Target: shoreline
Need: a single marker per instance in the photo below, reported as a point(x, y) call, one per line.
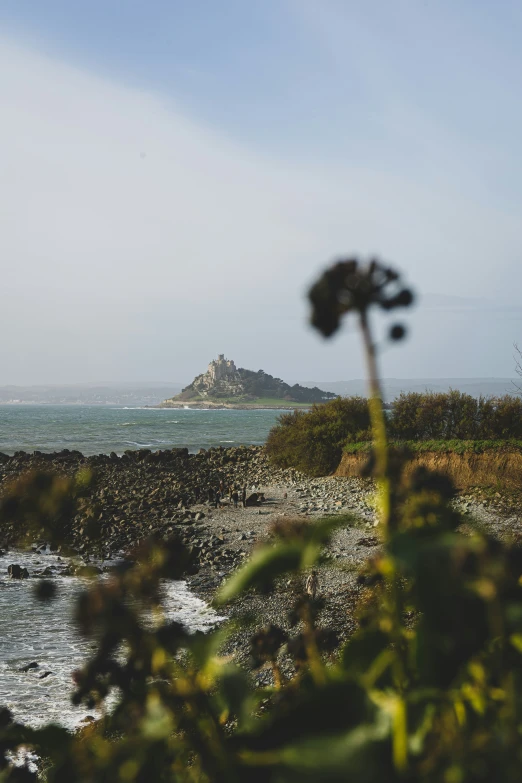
point(140, 494)
point(230, 406)
point(162, 494)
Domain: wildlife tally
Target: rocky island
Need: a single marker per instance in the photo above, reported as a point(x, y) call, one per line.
point(224, 385)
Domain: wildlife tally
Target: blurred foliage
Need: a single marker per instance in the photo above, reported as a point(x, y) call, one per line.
point(429, 687)
point(40, 502)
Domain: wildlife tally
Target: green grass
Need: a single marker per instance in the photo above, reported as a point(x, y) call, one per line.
point(444, 446)
point(274, 401)
point(269, 402)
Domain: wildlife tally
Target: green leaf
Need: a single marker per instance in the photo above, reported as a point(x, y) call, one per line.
point(339, 705)
point(235, 694)
point(205, 646)
point(263, 567)
point(269, 562)
point(362, 650)
point(361, 756)
point(321, 529)
point(516, 641)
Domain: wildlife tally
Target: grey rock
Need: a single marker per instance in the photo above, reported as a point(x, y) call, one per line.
point(16, 571)
point(29, 666)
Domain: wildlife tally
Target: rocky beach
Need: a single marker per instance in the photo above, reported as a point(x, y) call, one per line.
point(164, 494)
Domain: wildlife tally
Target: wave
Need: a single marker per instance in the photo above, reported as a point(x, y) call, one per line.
point(139, 445)
point(206, 410)
point(139, 408)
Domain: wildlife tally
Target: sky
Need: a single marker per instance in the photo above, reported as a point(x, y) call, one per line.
point(174, 175)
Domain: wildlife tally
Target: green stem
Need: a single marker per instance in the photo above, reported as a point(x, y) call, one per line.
point(380, 444)
point(378, 423)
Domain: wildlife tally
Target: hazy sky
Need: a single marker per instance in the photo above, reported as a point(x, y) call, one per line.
point(175, 173)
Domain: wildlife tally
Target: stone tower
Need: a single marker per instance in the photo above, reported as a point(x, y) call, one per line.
point(221, 373)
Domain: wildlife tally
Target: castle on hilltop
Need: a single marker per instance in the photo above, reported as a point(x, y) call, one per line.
point(235, 386)
point(220, 369)
point(222, 379)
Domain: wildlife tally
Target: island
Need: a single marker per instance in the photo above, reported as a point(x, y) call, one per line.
point(224, 385)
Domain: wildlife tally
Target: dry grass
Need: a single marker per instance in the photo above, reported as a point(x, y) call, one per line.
point(497, 469)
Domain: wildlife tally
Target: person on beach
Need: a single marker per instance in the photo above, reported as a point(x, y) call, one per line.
point(211, 495)
point(312, 583)
point(217, 498)
point(235, 497)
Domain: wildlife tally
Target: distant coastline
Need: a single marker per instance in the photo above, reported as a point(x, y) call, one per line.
point(105, 395)
point(243, 406)
point(206, 406)
point(71, 404)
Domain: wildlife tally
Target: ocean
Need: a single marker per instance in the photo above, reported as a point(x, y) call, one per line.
point(100, 429)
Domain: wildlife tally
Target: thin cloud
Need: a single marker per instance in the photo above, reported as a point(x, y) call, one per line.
point(131, 232)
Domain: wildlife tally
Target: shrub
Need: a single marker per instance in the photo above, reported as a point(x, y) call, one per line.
point(455, 416)
point(313, 441)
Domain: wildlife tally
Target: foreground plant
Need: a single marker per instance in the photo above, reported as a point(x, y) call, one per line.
point(352, 287)
point(428, 688)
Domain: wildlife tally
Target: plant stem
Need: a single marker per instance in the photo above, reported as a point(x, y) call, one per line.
point(380, 444)
point(378, 422)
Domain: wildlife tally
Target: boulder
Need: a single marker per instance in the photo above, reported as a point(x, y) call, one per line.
point(28, 666)
point(183, 452)
point(16, 571)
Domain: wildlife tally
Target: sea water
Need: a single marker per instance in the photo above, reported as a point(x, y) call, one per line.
point(44, 632)
point(100, 429)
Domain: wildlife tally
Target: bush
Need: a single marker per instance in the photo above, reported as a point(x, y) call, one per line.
point(455, 416)
point(313, 442)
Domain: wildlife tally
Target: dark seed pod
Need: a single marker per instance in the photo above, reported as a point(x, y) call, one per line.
point(397, 332)
point(349, 286)
point(405, 298)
